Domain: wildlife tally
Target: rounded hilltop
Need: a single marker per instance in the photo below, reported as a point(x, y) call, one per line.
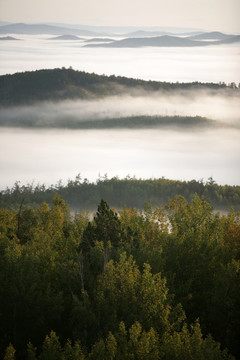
point(66, 37)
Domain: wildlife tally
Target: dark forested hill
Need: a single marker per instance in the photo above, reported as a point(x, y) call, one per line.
point(58, 84)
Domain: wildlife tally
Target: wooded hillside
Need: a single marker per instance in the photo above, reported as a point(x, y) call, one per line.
point(58, 84)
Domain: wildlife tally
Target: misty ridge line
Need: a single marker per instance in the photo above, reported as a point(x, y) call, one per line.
point(181, 109)
point(164, 41)
point(61, 84)
point(132, 122)
point(66, 98)
point(138, 38)
point(139, 42)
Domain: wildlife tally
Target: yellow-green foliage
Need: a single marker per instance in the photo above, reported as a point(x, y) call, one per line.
point(126, 285)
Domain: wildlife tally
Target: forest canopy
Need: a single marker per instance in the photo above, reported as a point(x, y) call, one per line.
point(159, 283)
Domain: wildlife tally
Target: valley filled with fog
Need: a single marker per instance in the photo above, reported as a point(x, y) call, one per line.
point(206, 64)
point(46, 155)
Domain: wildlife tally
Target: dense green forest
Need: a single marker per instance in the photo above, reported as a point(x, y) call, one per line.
point(58, 84)
point(130, 191)
point(144, 285)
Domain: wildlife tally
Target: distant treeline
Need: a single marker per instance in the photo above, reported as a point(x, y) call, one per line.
point(129, 122)
point(129, 192)
point(58, 84)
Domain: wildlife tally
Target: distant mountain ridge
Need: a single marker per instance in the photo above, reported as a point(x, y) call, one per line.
point(107, 31)
point(120, 30)
point(140, 37)
point(8, 38)
point(213, 35)
point(99, 40)
point(38, 29)
point(143, 33)
point(164, 41)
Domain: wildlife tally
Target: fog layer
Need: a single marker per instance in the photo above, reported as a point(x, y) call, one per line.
point(217, 106)
point(207, 64)
point(49, 155)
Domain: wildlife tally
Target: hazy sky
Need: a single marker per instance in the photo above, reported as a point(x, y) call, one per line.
point(206, 14)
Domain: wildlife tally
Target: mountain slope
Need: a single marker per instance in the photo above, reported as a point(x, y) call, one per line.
point(231, 40)
point(8, 38)
point(94, 40)
point(157, 41)
point(58, 84)
point(214, 35)
point(66, 37)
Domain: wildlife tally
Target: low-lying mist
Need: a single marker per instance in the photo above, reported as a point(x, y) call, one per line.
point(204, 64)
point(47, 155)
point(219, 106)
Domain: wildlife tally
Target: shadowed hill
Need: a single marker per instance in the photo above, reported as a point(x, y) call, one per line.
point(37, 29)
point(66, 37)
point(156, 41)
point(58, 84)
point(8, 38)
point(214, 35)
point(99, 40)
point(231, 40)
point(213, 38)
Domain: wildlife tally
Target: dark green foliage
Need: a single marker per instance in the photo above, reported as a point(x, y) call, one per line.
point(105, 227)
point(59, 84)
point(160, 283)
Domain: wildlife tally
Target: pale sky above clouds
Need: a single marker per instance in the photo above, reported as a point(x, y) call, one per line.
point(221, 15)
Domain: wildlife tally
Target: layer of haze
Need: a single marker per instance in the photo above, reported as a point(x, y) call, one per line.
point(49, 155)
point(222, 106)
point(46, 155)
point(221, 15)
point(205, 64)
